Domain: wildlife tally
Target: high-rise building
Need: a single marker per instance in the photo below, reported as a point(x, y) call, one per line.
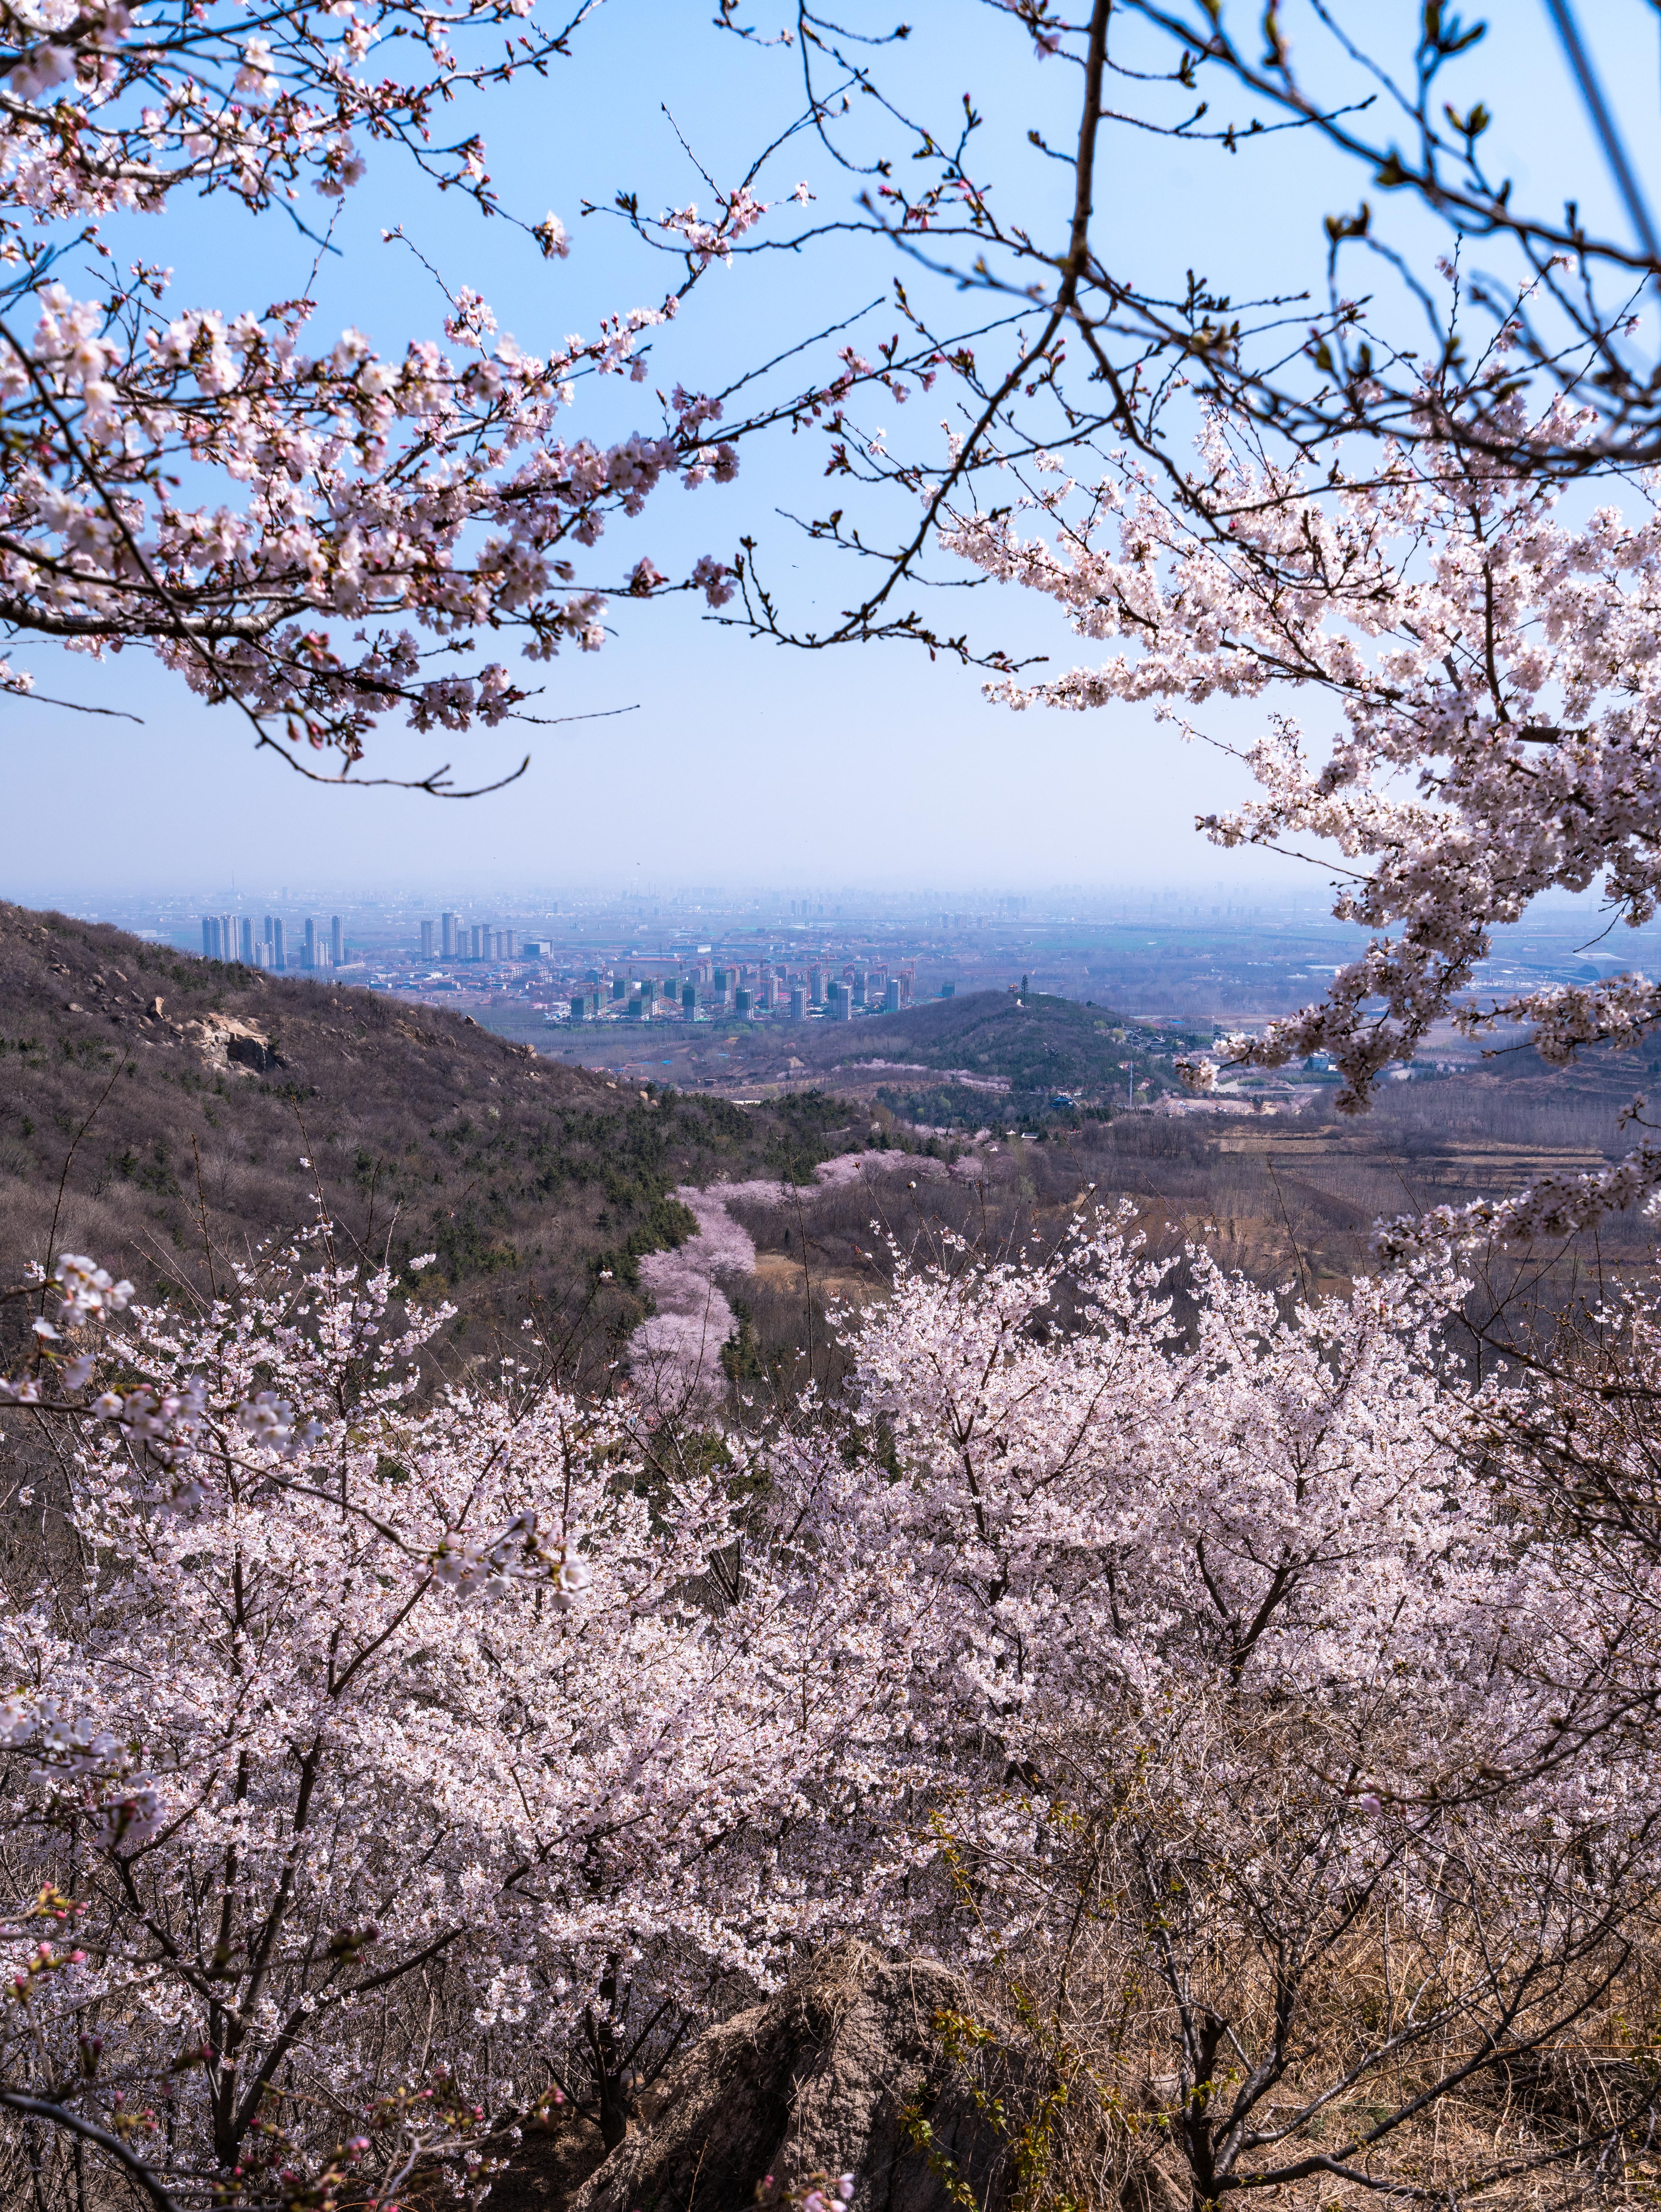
point(839, 1001)
point(210, 936)
point(741, 1001)
point(449, 925)
point(278, 942)
point(245, 951)
point(336, 941)
point(859, 987)
point(815, 987)
point(689, 1002)
point(619, 986)
point(891, 996)
point(429, 940)
point(799, 1004)
point(308, 958)
point(579, 1006)
point(476, 937)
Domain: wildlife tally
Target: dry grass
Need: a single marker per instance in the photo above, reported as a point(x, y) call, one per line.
point(1535, 2085)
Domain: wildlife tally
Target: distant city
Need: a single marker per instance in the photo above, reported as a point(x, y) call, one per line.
point(571, 961)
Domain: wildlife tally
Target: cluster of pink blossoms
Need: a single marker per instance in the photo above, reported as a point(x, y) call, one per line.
point(475, 1724)
point(1495, 672)
point(298, 533)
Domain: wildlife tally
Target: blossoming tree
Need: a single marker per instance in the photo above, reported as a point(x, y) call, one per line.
point(363, 1737)
point(1242, 1720)
point(299, 532)
point(381, 1768)
point(1487, 665)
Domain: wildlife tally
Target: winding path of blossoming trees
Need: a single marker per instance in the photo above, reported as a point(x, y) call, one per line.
point(676, 1352)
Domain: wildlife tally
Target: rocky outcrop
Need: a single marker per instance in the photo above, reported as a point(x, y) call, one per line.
point(821, 2079)
point(226, 1042)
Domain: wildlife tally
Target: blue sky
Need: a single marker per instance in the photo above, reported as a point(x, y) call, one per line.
point(739, 762)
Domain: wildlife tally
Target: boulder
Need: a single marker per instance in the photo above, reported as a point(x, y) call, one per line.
point(226, 1042)
point(821, 2079)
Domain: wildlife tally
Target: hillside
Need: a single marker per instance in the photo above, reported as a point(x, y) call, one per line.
point(1288, 1198)
point(187, 1109)
point(201, 1108)
point(1051, 1053)
point(1029, 1060)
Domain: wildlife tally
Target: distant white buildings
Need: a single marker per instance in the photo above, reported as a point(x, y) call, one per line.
point(765, 984)
point(264, 944)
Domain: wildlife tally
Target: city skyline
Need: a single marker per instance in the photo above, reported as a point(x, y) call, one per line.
point(531, 964)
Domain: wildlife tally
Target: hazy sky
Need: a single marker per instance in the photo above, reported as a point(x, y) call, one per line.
point(740, 762)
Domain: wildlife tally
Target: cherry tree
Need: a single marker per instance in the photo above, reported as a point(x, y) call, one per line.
point(1486, 665)
point(385, 1764)
point(312, 533)
point(1245, 1705)
point(363, 1735)
point(1062, 309)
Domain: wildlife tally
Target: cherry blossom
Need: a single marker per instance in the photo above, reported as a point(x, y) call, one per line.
point(299, 531)
point(1492, 665)
point(1231, 1661)
point(397, 1722)
point(373, 1699)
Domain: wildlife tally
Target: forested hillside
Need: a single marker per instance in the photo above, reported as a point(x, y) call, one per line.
point(156, 1111)
point(1024, 1058)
